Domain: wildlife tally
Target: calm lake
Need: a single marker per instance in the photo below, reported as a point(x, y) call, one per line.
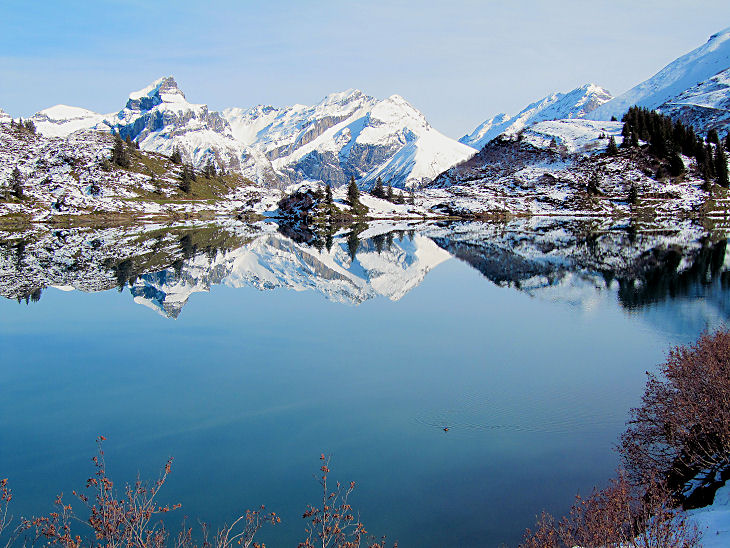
point(246, 351)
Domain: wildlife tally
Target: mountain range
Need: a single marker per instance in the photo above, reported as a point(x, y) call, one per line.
point(534, 162)
point(347, 134)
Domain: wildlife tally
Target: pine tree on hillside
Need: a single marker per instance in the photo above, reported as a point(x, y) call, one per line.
point(328, 195)
point(353, 193)
point(676, 165)
point(120, 154)
point(389, 192)
point(721, 166)
point(16, 183)
point(709, 153)
point(29, 126)
point(378, 190)
point(176, 156)
point(128, 141)
point(727, 141)
point(713, 137)
point(186, 178)
point(612, 149)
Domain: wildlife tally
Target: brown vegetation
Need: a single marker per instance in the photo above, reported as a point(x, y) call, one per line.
point(681, 429)
point(618, 515)
point(132, 519)
point(683, 424)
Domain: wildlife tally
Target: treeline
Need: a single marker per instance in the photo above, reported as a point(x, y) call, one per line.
point(668, 139)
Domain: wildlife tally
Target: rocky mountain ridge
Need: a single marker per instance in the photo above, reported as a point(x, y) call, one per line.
point(347, 134)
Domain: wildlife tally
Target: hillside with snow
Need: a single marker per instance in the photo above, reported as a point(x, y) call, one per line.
point(678, 78)
point(557, 106)
point(63, 120)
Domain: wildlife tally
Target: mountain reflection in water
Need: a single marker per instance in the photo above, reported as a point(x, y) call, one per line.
point(562, 259)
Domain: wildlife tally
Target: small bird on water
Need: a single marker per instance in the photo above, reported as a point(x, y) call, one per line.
point(446, 428)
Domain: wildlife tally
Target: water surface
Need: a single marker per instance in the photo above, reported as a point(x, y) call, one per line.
point(247, 351)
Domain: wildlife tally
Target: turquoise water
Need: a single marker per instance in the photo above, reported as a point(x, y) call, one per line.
point(246, 388)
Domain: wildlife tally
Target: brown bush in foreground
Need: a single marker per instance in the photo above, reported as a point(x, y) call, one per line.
point(131, 519)
point(334, 524)
point(618, 515)
point(683, 424)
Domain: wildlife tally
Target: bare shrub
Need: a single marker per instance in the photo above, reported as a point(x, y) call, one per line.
point(683, 424)
point(618, 515)
point(334, 524)
point(132, 519)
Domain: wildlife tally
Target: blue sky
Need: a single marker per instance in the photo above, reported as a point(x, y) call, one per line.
point(457, 61)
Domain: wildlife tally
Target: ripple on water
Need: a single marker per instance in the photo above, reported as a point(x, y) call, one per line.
point(546, 412)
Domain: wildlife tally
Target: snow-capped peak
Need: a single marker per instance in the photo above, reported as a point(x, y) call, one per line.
point(62, 113)
point(162, 90)
point(576, 103)
point(687, 71)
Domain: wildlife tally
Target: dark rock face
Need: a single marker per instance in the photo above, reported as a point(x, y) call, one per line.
point(497, 158)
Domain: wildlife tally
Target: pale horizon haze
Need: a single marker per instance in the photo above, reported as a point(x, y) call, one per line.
point(458, 62)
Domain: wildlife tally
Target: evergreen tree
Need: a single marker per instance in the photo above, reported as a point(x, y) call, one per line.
point(378, 190)
point(713, 137)
point(710, 164)
point(353, 193)
point(612, 149)
point(120, 154)
point(727, 141)
point(209, 169)
point(328, 197)
point(592, 186)
point(721, 167)
point(176, 156)
point(633, 195)
point(186, 178)
point(16, 183)
point(29, 126)
point(676, 165)
point(128, 141)
point(389, 193)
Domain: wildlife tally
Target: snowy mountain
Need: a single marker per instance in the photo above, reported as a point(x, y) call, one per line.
point(347, 134)
point(676, 79)
point(557, 106)
point(705, 106)
point(160, 118)
point(63, 120)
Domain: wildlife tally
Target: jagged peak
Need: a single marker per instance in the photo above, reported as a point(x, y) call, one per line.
point(161, 85)
point(162, 90)
point(342, 97)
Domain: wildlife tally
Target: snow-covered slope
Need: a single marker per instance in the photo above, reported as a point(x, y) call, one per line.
point(574, 104)
point(347, 134)
point(705, 106)
point(4, 117)
point(673, 80)
point(63, 120)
